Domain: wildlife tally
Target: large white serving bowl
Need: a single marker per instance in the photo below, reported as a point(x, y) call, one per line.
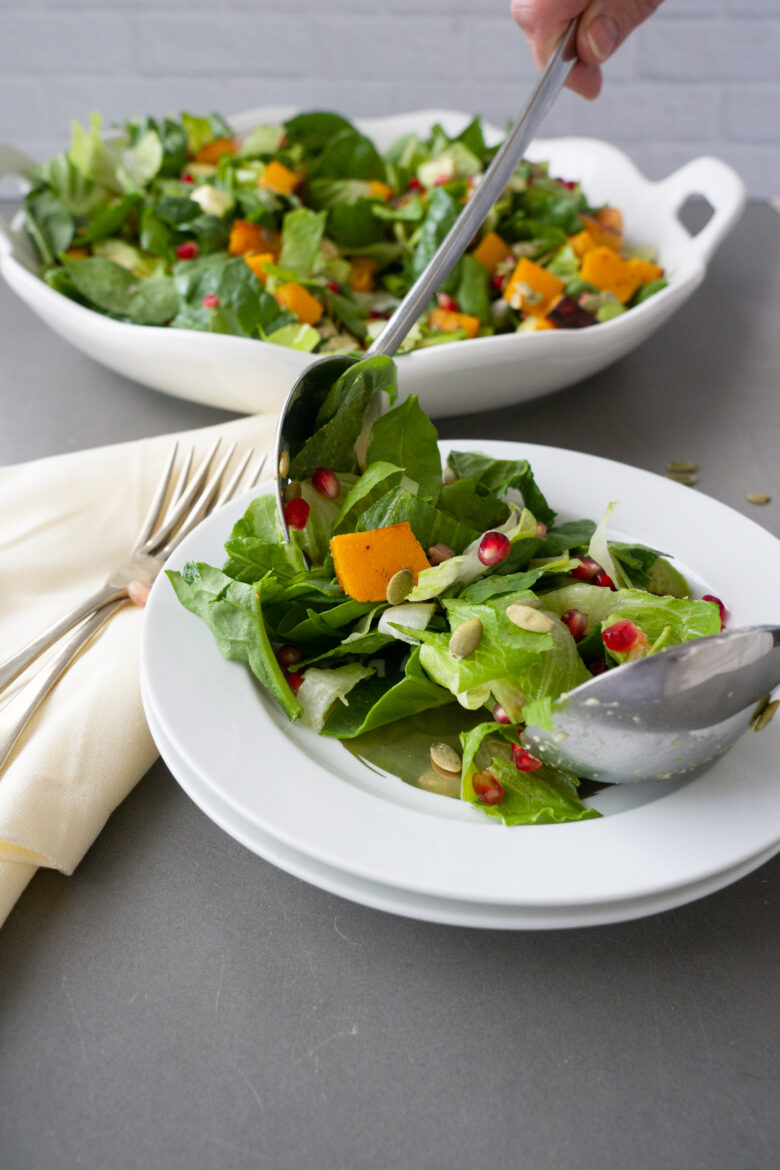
point(249, 376)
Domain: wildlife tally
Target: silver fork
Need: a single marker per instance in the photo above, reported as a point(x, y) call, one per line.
point(190, 500)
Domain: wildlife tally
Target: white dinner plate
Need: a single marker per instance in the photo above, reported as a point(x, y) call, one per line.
point(252, 376)
point(448, 911)
point(310, 795)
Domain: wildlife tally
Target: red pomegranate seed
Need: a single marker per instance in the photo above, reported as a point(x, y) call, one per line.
point(443, 180)
point(500, 715)
point(577, 623)
point(414, 185)
point(524, 761)
point(724, 613)
point(188, 250)
point(288, 655)
point(497, 281)
point(493, 547)
point(326, 482)
point(333, 287)
point(446, 302)
point(210, 301)
point(598, 666)
point(375, 315)
point(187, 177)
point(586, 570)
point(283, 140)
point(296, 513)
point(623, 636)
point(603, 580)
point(487, 787)
point(295, 681)
point(541, 530)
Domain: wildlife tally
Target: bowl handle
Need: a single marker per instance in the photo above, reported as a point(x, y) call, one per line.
point(720, 185)
point(12, 162)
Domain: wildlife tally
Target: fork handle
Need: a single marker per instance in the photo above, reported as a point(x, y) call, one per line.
point(50, 676)
point(13, 666)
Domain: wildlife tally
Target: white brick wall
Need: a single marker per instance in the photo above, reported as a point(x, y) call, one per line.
point(702, 76)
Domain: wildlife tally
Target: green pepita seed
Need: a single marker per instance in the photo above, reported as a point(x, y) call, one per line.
point(284, 464)
point(293, 490)
point(466, 638)
point(685, 477)
point(757, 498)
point(399, 586)
point(528, 618)
point(681, 465)
point(445, 760)
point(766, 716)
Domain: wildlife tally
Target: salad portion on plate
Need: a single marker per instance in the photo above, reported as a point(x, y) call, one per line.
point(306, 235)
point(423, 614)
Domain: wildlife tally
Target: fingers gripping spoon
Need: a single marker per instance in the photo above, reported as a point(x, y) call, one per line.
point(296, 421)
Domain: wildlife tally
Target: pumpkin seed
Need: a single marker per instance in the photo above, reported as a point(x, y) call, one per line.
point(445, 760)
point(528, 618)
point(284, 464)
point(681, 465)
point(766, 716)
point(438, 553)
point(293, 490)
point(399, 586)
point(685, 477)
point(466, 638)
point(757, 498)
point(441, 785)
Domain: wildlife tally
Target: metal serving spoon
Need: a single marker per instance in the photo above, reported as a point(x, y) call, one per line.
point(666, 716)
point(296, 422)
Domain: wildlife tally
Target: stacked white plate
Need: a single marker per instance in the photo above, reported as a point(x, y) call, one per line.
point(307, 805)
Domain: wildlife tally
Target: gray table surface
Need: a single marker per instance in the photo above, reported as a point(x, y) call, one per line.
point(180, 1003)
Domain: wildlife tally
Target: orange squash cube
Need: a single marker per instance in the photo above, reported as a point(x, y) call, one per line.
point(212, 152)
point(582, 242)
point(252, 237)
point(605, 228)
point(610, 273)
point(491, 250)
point(532, 288)
point(77, 253)
point(257, 262)
point(379, 190)
point(299, 300)
point(365, 561)
point(645, 269)
point(279, 178)
point(444, 321)
point(363, 273)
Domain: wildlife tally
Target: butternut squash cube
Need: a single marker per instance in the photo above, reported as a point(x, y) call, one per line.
point(365, 561)
point(257, 262)
point(363, 273)
point(212, 152)
point(645, 269)
point(279, 178)
point(252, 237)
point(605, 228)
point(379, 190)
point(444, 321)
point(532, 288)
point(610, 273)
point(299, 300)
point(582, 242)
point(491, 250)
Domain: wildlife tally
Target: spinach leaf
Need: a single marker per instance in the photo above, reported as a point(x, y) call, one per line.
point(499, 475)
point(348, 155)
point(150, 300)
point(376, 480)
point(302, 232)
point(316, 129)
point(443, 210)
point(355, 226)
point(470, 501)
point(472, 294)
point(106, 221)
point(428, 523)
point(49, 223)
point(376, 702)
point(406, 437)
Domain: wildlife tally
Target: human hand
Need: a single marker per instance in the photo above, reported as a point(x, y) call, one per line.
point(604, 25)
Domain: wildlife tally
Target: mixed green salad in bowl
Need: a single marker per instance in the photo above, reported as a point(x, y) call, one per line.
point(424, 614)
point(304, 234)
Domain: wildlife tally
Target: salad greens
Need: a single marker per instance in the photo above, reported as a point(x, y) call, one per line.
point(305, 235)
point(505, 611)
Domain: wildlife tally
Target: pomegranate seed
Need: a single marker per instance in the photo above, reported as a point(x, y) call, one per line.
point(187, 251)
point(375, 315)
point(493, 547)
point(333, 287)
point(586, 570)
point(567, 183)
point(414, 185)
point(446, 302)
point(577, 623)
point(603, 580)
point(438, 553)
point(211, 301)
point(524, 761)
point(288, 655)
point(487, 787)
point(500, 715)
point(296, 513)
point(724, 613)
point(295, 681)
point(541, 530)
point(326, 482)
point(623, 636)
point(497, 281)
point(598, 666)
point(443, 180)
point(283, 140)
point(187, 177)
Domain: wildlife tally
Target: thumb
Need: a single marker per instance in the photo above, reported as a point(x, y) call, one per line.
point(605, 24)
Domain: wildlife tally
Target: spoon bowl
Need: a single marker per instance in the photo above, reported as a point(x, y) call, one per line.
point(669, 715)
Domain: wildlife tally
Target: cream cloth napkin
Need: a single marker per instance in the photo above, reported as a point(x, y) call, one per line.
point(65, 522)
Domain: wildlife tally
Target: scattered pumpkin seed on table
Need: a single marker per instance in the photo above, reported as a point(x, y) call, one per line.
point(757, 498)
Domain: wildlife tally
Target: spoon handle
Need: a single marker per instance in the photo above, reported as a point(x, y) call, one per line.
point(486, 194)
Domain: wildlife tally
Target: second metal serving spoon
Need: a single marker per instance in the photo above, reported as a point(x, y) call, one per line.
point(299, 412)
